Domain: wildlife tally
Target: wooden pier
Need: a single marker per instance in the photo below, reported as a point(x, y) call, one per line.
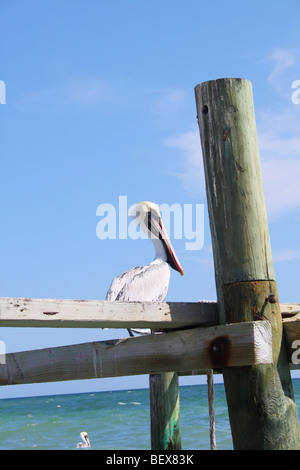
point(191, 348)
point(247, 335)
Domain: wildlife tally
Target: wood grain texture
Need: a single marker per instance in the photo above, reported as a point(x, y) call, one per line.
point(68, 313)
point(61, 313)
point(183, 350)
point(165, 411)
point(235, 197)
point(262, 412)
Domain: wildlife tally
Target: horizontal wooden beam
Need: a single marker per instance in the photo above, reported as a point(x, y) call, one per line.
point(289, 310)
point(19, 312)
point(194, 349)
point(60, 313)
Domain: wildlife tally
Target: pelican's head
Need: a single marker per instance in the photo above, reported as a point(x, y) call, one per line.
point(147, 215)
point(85, 440)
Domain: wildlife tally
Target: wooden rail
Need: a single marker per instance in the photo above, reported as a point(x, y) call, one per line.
point(58, 313)
point(193, 349)
point(61, 313)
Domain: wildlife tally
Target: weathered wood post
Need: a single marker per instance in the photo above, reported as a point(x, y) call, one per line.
point(164, 409)
point(260, 398)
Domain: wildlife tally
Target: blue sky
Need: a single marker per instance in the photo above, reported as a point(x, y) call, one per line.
point(99, 104)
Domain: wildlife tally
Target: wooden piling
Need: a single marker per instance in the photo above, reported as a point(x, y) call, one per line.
point(260, 398)
point(164, 406)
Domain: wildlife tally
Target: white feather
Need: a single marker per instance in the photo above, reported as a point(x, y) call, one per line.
point(147, 284)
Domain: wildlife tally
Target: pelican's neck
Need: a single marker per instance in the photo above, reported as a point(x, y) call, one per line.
point(160, 252)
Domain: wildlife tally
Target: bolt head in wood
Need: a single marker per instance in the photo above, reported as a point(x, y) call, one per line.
point(272, 299)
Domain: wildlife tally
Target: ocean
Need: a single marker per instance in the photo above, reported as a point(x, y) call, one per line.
point(117, 420)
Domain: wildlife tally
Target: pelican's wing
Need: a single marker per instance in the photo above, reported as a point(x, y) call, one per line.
point(147, 284)
point(118, 283)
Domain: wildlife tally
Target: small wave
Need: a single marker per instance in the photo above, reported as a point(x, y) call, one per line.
point(121, 403)
point(135, 403)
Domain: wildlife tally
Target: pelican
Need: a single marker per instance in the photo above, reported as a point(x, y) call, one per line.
point(151, 282)
point(85, 441)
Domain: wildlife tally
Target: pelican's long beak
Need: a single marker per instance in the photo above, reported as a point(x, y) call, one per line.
point(85, 438)
point(172, 259)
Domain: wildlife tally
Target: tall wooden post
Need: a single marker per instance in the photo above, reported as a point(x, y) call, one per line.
point(260, 399)
point(164, 409)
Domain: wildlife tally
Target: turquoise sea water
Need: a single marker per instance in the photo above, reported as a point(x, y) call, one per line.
point(117, 420)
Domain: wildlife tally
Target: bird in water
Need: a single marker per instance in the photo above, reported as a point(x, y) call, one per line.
point(147, 283)
point(85, 441)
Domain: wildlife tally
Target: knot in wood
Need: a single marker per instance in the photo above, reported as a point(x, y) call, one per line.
point(219, 351)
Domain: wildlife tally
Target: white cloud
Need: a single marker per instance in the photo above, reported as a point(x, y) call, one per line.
point(279, 144)
point(70, 93)
point(169, 100)
point(279, 141)
point(285, 255)
point(286, 62)
point(88, 92)
point(192, 173)
point(165, 105)
point(281, 184)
